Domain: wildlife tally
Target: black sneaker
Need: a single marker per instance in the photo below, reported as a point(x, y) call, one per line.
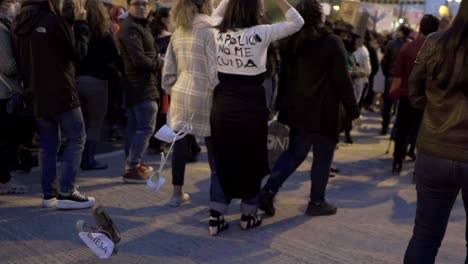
point(104, 222)
point(266, 202)
point(323, 208)
point(250, 221)
point(75, 200)
point(217, 223)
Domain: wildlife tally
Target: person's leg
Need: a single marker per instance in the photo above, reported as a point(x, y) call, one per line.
point(437, 189)
point(461, 171)
point(95, 92)
point(299, 146)
point(48, 146)
point(5, 175)
point(180, 155)
point(73, 129)
point(323, 150)
point(218, 201)
point(403, 120)
point(130, 130)
point(386, 108)
point(145, 116)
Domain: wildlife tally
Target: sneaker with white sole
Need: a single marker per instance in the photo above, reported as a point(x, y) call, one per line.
point(13, 188)
point(49, 201)
point(178, 200)
point(75, 200)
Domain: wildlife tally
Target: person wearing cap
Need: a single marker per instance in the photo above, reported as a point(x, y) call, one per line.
point(346, 32)
point(47, 48)
point(141, 63)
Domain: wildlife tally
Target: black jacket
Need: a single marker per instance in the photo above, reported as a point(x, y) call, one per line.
point(103, 60)
point(47, 49)
point(315, 86)
point(140, 60)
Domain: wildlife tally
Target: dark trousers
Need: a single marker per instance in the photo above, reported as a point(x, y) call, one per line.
point(387, 105)
point(409, 121)
point(369, 93)
point(183, 151)
point(299, 146)
point(5, 142)
point(438, 182)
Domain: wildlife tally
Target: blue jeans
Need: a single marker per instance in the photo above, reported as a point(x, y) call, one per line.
point(218, 200)
point(70, 125)
point(300, 143)
point(438, 182)
point(140, 127)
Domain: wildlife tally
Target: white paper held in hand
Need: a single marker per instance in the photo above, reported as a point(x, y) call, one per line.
point(99, 243)
point(167, 135)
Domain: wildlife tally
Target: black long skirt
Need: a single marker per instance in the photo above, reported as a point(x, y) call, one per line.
point(239, 131)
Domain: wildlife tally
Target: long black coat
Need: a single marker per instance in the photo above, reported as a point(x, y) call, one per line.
point(316, 92)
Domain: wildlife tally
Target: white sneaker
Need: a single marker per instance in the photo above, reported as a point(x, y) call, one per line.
point(13, 188)
point(75, 200)
point(49, 201)
point(178, 200)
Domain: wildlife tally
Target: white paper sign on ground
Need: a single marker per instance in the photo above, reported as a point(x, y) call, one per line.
point(99, 243)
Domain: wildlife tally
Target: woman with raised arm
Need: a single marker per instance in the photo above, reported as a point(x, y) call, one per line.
point(438, 85)
point(239, 115)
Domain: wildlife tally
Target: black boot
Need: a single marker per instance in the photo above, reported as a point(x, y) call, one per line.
point(88, 162)
point(266, 202)
point(396, 168)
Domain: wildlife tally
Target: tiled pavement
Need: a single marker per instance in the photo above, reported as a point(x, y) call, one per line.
point(373, 224)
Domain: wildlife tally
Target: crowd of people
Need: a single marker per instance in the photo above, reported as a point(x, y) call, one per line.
point(66, 65)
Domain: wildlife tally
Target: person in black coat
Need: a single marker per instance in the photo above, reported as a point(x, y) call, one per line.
point(315, 92)
point(48, 45)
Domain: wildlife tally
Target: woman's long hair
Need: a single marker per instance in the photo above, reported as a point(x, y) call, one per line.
point(98, 18)
point(313, 29)
point(184, 11)
point(454, 38)
point(241, 14)
point(157, 25)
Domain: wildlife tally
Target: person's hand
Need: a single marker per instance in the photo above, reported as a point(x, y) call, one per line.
point(361, 74)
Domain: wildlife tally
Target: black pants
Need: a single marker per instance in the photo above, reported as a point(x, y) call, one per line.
point(387, 105)
point(438, 182)
point(369, 93)
point(408, 122)
point(6, 148)
point(184, 150)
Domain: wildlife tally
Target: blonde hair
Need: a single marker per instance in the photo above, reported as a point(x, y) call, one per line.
point(98, 18)
point(184, 11)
